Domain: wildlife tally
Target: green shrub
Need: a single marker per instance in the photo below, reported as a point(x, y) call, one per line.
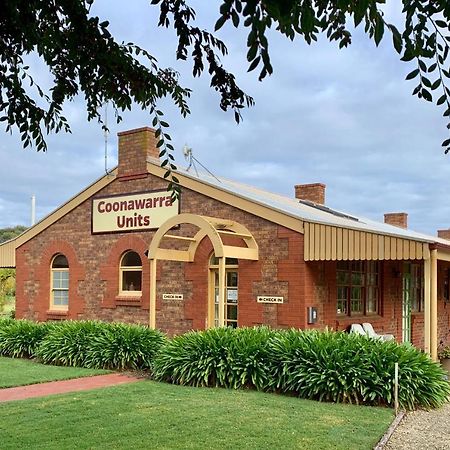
point(68, 344)
point(343, 367)
point(216, 357)
point(123, 346)
point(94, 344)
point(327, 366)
point(21, 338)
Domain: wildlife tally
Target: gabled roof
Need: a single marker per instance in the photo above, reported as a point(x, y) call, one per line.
point(286, 211)
point(302, 210)
point(7, 249)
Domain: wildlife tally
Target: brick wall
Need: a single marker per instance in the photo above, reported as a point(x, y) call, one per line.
point(280, 271)
point(94, 269)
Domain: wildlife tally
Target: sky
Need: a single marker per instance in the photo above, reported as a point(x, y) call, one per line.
point(345, 118)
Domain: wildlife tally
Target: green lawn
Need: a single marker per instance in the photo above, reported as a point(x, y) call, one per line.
point(162, 416)
point(19, 372)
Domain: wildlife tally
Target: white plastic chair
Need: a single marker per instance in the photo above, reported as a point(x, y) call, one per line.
point(357, 329)
point(368, 329)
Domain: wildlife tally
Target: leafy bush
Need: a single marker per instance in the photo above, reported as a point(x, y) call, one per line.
point(343, 367)
point(94, 344)
point(68, 344)
point(122, 346)
point(21, 338)
point(329, 366)
point(216, 357)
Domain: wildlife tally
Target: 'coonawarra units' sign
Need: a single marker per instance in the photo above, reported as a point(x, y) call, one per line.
point(142, 211)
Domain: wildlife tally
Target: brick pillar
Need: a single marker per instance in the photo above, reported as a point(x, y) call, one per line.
point(135, 146)
point(397, 219)
point(444, 234)
point(313, 192)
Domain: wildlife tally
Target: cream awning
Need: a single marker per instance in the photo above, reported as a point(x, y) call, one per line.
point(330, 243)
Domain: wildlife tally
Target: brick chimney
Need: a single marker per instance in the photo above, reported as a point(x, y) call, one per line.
point(444, 234)
point(135, 146)
point(397, 219)
point(313, 192)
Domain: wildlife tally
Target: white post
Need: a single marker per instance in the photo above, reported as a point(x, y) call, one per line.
point(433, 307)
point(396, 388)
point(152, 306)
point(221, 291)
point(33, 210)
point(427, 312)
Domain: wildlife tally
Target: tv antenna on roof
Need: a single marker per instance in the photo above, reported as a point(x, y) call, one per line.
point(188, 156)
point(105, 136)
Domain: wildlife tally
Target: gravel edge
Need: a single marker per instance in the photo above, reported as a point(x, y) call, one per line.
point(385, 438)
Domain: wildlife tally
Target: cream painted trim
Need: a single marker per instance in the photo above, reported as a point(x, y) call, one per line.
point(152, 306)
point(208, 226)
point(433, 307)
point(427, 300)
point(52, 306)
point(270, 214)
point(327, 243)
point(86, 194)
point(443, 256)
point(222, 284)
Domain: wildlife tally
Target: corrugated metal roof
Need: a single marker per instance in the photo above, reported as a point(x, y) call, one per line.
point(309, 213)
point(285, 205)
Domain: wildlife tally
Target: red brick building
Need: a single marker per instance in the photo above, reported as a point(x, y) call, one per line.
point(226, 254)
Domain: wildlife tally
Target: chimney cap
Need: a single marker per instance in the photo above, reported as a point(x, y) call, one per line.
point(135, 130)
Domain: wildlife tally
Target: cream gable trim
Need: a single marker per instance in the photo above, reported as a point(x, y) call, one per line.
point(7, 249)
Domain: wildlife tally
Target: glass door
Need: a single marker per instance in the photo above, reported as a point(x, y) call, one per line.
point(231, 291)
point(406, 303)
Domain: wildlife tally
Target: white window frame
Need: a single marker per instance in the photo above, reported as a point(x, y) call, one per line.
point(53, 270)
point(123, 269)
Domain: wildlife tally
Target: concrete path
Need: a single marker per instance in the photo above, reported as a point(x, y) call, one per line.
point(61, 387)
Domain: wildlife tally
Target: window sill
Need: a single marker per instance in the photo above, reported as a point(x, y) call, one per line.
point(127, 300)
point(57, 314)
point(359, 317)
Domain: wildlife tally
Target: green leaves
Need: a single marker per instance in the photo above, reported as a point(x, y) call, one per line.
point(82, 55)
point(326, 366)
point(412, 74)
point(100, 345)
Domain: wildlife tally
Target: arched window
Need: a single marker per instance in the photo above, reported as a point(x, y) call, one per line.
point(59, 283)
point(130, 274)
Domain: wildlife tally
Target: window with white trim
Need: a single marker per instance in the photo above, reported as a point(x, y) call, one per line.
point(59, 295)
point(130, 274)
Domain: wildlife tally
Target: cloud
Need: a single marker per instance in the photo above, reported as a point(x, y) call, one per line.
point(342, 117)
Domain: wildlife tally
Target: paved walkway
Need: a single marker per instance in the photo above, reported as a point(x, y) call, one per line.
point(423, 430)
point(61, 387)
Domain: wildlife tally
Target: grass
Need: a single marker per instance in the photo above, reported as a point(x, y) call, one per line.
point(8, 305)
point(20, 372)
point(163, 416)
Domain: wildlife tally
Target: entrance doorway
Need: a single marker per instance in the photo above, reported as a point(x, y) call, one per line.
point(413, 295)
point(231, 291)
point(406, 303)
